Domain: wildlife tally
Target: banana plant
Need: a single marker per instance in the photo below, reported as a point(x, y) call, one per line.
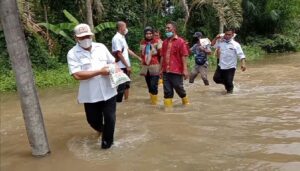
point(61, 28)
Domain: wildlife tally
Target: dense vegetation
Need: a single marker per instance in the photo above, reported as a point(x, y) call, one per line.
point(262, 26)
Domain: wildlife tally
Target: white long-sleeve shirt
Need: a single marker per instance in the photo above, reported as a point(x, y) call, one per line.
point(230, 52)
point(97, 88)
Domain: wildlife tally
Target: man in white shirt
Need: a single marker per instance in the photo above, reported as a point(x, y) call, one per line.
point(88, 62)
point(121, 52)
point(228, 51)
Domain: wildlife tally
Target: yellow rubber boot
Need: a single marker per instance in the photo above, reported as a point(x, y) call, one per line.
point(153, 99)
point(185, 101)
point(168, 102)
point(160, 82)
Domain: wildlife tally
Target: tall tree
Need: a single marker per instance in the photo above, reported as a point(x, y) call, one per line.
point(89, 13)
point(18, 52)
point(90, 7)
point(228, 11)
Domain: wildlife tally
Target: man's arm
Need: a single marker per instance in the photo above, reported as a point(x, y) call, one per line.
point(135, 55)
point(122, 59)
point(243, 64)
point(185, 68)
point(84, 75)
point(206, 49)
point(242, 57)
point(214, 41)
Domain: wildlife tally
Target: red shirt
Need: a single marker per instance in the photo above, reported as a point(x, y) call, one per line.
point(172, 52)
point(155, 52)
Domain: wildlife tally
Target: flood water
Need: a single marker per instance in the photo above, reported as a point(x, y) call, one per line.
point(255, 128)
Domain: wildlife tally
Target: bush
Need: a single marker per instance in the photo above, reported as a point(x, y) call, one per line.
point(275, 43)
point(4, 57)
point(253, 52)
point(43, 78)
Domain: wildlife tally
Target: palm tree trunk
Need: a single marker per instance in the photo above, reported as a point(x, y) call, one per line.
point(187, 13)
point(89, 13)
point(18, 52)
point(47, 31)
point(221, 26)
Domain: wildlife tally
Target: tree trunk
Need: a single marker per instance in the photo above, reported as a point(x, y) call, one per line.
point(221, 26)
point(47, 30)
point(187, 13)
point(89, 13)
point(18, 52)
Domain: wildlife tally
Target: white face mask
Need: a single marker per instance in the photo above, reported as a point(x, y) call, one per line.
point(85, 43)
point(126, 31)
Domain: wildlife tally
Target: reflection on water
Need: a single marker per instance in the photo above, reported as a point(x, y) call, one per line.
point(255, 128)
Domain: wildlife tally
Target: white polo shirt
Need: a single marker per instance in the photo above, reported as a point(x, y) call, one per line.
point(97, 88)
point(119, 44)
point(229, 53)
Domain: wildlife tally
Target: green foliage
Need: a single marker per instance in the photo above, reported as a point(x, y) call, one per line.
point(65, 29)
point(101, 27)
point(274, 44)
point(38, 53)
point(271, 26)
point(253, 52)
point(70, 17)
point(229, 12)
point(4, 58)
point(269, 17)
point(8, 82)
point(202, 19)
point(52, 78)
point(128, 11)
point(58, 29)
point(43, 78)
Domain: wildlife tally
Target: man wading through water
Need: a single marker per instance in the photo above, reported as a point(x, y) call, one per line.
point(228, 51)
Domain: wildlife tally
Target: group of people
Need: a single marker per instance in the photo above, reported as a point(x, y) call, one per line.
point(88, 62)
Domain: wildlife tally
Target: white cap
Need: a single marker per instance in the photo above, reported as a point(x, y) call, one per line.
point(82, 30)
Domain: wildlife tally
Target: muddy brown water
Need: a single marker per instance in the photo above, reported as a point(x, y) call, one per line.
point(255, 128)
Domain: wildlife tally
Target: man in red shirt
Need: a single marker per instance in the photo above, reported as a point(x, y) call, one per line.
point(174, 54)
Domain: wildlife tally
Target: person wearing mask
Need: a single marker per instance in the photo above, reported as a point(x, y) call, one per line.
point(121, 51)
point(150, 50)
point(158, 37)
point(200, 51)
point(88, 62)
point(174, 69)
point(229, 51)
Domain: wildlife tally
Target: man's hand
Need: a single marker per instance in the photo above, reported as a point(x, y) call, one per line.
point(243, 67)
point(128, 70)
point(185, 74)
point(104, 70)
point(218, 36)
point(243, 64)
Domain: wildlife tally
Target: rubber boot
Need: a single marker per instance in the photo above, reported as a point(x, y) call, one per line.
point(153, 99)
point(160, 82)
point(168, 102)
point(185, 101)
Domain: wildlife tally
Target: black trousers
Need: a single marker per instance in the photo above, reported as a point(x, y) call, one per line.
point(96, 112)
point(152, 83)
point(173, 82)
point(225, 77)
point(122, 87)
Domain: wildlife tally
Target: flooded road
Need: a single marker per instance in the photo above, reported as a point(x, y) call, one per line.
point(255, 128)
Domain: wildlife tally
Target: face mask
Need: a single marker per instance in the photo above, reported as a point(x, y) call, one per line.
point(85, 43)
point(126, 31)
point(169, 34)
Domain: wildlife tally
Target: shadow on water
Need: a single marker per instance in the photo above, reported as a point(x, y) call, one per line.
point(255, 128)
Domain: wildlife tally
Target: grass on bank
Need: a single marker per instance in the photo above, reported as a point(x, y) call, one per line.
point(60, 77)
